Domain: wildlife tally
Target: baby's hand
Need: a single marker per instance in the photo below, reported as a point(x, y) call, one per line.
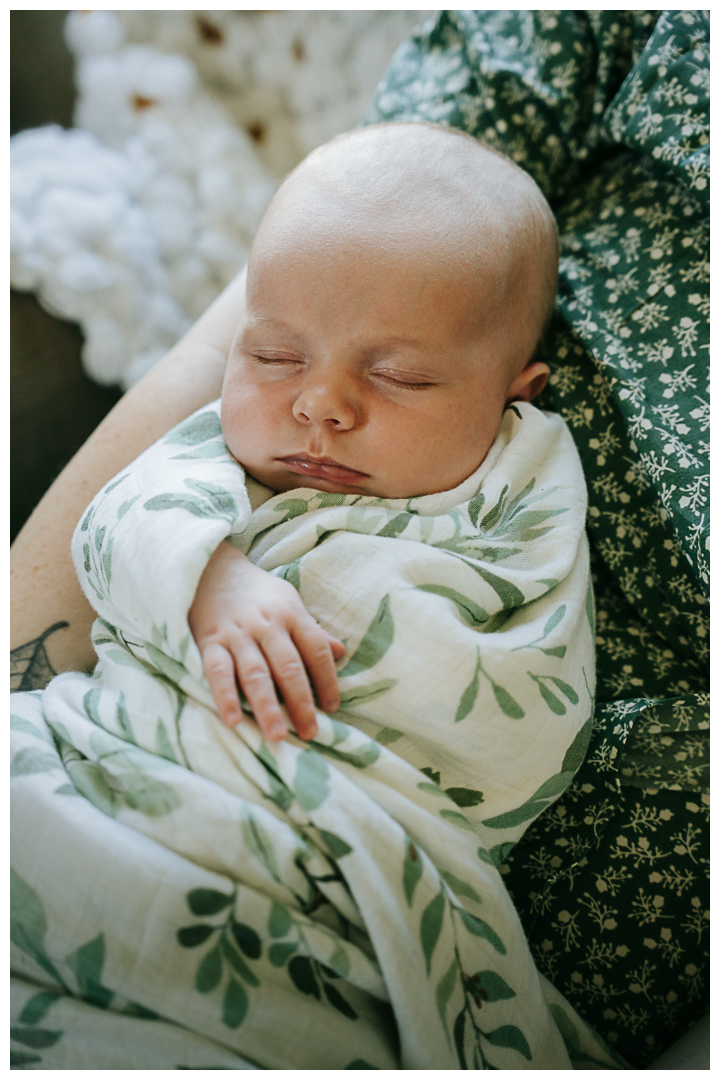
point(253, 629)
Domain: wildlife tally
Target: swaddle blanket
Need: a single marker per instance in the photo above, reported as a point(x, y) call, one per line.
point(334, 904)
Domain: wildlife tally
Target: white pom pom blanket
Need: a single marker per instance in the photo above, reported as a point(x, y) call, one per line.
point(133, 222)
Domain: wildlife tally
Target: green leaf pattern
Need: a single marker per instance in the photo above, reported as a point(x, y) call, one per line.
point(334, 875)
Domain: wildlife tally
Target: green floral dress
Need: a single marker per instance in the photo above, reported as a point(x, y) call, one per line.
point(609, 112)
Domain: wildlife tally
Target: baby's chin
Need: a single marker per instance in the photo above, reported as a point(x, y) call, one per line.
point(316, 484)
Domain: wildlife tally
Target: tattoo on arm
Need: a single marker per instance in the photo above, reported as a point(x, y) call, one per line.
point(30, 668)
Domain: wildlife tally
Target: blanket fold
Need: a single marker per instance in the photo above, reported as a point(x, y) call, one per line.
point(346, 889)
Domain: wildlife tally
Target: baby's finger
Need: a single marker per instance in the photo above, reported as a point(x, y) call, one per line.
point(291, 678)
point(316, 649)
point(256, 681)
point(219, 668)
point(336, 647)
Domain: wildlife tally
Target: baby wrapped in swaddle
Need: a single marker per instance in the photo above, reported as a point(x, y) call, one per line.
point(375, 491)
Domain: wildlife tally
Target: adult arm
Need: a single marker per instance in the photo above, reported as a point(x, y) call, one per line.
point(50, 617)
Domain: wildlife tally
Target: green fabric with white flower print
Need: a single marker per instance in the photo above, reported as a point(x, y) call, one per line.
point(609, 112)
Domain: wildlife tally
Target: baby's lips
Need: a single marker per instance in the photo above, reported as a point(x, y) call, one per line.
point(332, 471)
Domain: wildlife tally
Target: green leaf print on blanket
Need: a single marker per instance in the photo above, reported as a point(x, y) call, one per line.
point(471, 612)
point(431, 925)
point(28, 928)
point(309, 975)
point(255, 836)
point(31, 759)
point(552, 700)
point(121, 775)
point(38, 1038)
point(37, 1007)
point(376, 642)
point(204, 433)
point(553, 787)
point(545, 794)
point(469, 694)
point(28, 925)
point(489, 986)
point(363, 695)
point(396, 524)
point(35, 1038)
point(504, 698)
point(461, 796)
point(332, 853)
point(337, 846)
point(469, 1036)
point(97, 554)
point(214, 501)
point(479, 990)
point(554, 620)
point(484, 987)
point(575, 753)
point(312, 780)
point(412, 870)
point(198, 429)
point(234, 940)
point(361, 757)
point(87, 964)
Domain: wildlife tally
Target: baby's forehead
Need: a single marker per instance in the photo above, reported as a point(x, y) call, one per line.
point(421, 194)
point(414, 180)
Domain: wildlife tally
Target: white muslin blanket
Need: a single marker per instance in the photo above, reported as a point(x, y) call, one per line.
point(333, 904)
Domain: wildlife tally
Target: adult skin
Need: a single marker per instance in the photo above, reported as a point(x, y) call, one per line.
point(50, 617)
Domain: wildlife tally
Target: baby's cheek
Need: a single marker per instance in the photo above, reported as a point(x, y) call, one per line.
point(239, 429)
point(252, 427)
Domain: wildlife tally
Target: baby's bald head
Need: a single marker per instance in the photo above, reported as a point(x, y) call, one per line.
point(440, 198)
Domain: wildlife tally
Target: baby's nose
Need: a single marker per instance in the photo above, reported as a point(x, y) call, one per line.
point(324, 404)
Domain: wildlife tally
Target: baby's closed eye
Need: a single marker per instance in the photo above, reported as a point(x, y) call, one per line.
point(402, 379)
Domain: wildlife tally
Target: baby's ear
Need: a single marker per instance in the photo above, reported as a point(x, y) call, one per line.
point(529, 382)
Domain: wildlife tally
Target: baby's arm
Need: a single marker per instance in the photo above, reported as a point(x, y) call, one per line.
point(151, 556)
point(252, 629)
point(45, 589)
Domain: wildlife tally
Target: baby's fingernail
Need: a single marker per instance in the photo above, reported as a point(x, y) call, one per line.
point(277, 731)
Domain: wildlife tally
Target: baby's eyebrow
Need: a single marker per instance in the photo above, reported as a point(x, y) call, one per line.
point(394, 342)
point(372, 351)
point(262, 323)
point(251, 321)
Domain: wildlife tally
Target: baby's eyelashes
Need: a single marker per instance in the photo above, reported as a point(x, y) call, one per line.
point(404, 382)
point(277, 359)
point(399, 379)
point(280, 366)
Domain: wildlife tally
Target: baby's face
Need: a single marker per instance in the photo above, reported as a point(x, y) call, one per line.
point(360, 369)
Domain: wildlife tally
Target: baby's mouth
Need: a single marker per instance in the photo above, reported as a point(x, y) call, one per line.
point(323, 468)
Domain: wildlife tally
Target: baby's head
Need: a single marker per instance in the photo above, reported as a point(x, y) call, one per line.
point(397, 290)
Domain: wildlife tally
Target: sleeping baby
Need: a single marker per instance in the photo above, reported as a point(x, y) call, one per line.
point(373, 522)
point(397, 291)
point(376, 519)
